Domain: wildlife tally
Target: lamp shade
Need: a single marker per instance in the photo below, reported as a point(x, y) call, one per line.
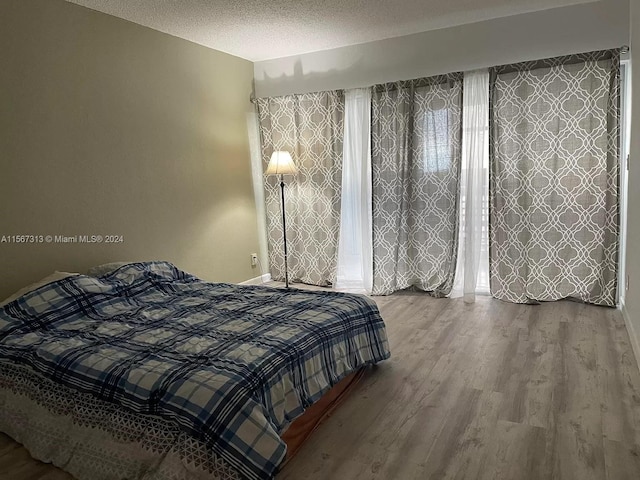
point(281, 163)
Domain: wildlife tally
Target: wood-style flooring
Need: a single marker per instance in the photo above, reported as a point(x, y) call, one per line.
point(485, 391)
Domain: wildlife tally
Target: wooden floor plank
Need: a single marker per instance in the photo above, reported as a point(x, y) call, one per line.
point(517, 451)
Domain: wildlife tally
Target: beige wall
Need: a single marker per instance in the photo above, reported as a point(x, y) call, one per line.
point(632, 297)
point(530, 36)
point(107, 127)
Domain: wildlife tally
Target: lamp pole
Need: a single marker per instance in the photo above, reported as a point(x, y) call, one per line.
point(284, 233)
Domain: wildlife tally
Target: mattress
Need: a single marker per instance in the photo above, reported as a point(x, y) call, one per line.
point(220, 370)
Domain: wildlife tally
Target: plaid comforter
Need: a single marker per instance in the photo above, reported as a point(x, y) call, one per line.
point(231, 365)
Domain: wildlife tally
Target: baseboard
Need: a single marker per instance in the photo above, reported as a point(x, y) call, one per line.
point(634, 336)
point(257, 280)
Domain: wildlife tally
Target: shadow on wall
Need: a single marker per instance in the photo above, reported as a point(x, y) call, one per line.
point(301, 82)
point(583, 27)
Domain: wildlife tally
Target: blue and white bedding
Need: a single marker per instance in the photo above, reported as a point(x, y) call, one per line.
point(231, 365)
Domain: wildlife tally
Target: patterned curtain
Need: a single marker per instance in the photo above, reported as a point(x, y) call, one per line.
point(310, 127)
point(416, 135)
point(554, 179)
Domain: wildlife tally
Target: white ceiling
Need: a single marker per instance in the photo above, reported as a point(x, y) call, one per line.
point(265, 29)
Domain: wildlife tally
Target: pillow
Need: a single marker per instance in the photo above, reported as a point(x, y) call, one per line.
point(105, 268)
point(48, 279)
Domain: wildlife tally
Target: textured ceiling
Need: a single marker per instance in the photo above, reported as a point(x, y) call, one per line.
point(265, 29)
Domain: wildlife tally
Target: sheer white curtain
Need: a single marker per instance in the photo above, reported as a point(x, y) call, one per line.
point(472, 271)
point(355, 260)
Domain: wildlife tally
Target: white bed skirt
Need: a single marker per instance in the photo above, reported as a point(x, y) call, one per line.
point(96, 440)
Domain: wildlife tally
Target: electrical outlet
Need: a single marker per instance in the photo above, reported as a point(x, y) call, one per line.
point(254, 259)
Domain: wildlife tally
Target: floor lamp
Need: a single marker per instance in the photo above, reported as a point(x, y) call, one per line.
point(282, 164)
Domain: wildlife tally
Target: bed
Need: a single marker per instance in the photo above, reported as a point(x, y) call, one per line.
point(148, 372)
